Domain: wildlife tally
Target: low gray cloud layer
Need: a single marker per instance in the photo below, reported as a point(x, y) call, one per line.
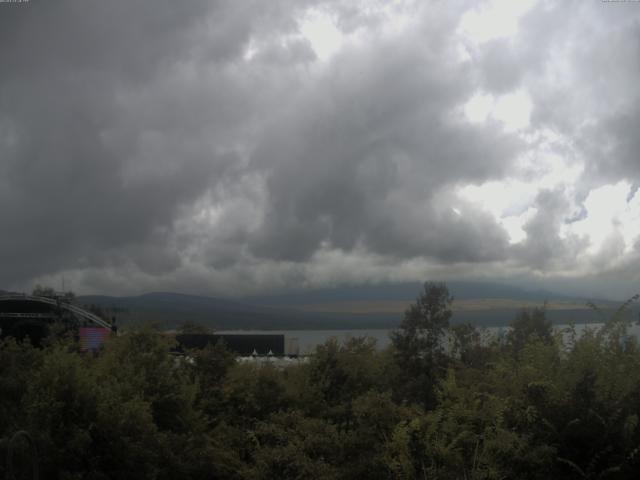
point(214, 147)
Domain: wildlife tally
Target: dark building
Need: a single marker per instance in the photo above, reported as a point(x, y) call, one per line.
point(242, 345)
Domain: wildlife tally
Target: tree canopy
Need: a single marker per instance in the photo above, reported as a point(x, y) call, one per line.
point(441, 402)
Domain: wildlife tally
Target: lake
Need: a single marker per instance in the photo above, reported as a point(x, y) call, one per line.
point(305, 341)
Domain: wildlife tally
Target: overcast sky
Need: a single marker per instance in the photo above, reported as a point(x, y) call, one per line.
point(233, 147)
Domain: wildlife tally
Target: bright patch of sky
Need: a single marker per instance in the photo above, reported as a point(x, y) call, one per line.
point(514, 224)
point(608, 211)
point(513, 110)
point(250, 51)
point(512, 201)
point(508, 201)
point(327, 37)
point(494, 19)
point(323, 34)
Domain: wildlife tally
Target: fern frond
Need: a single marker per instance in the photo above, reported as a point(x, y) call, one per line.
point(573, 465)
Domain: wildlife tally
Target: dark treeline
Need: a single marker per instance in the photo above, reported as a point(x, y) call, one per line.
point(441, 403)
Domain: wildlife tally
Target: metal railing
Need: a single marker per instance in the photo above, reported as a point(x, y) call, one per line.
point(58, 302)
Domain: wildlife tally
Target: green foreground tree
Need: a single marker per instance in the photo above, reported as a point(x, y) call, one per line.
point(564, 406)
point(418, 344)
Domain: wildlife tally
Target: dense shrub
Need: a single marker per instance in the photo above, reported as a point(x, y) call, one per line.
point(537, 405)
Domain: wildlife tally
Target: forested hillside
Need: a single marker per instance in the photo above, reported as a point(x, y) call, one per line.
point(534, 404)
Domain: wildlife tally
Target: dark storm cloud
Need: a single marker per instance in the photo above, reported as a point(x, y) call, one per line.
point(207, 146)
point(66, 199)
point(364, 160)
point(116, 118)
point(613, 144)
point(544, 248)
point(113, 118)
point(586, 64)
point(501, 70)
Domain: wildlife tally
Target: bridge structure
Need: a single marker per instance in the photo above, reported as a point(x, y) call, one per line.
point(35, 313)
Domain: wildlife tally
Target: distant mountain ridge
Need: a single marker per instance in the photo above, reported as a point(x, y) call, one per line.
point(315, 309)
point(348, 307)
point(171, 309)
point(407, 291)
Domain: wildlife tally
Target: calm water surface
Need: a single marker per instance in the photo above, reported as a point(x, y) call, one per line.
point(308, 340)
